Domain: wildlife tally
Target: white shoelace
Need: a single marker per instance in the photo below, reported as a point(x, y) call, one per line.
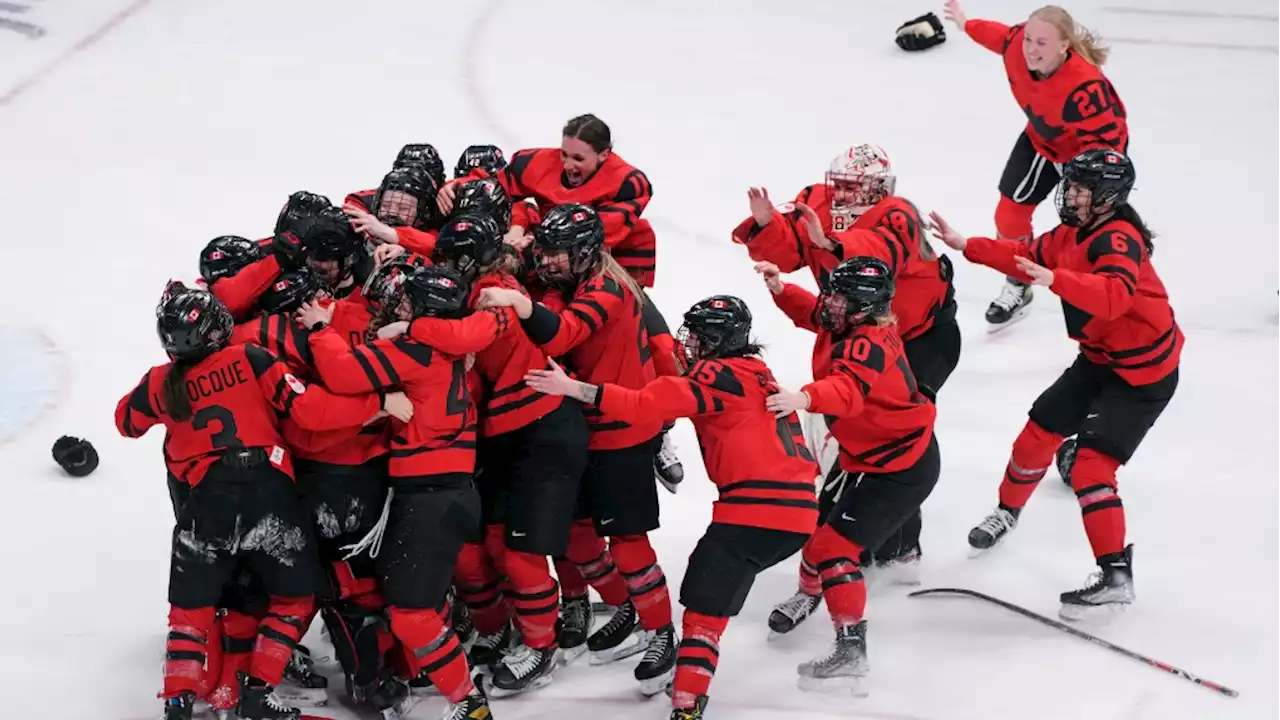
point(797, 606)
point(997, 520)
point(1010, 296)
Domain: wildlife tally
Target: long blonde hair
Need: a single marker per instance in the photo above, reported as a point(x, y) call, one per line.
point(608, 267)
point(1083, 41)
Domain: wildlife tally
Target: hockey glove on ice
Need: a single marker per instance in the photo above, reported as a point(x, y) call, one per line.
point(76, 456)
point(922, 33)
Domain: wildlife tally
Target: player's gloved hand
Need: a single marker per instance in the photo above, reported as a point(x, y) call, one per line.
point(921, 33)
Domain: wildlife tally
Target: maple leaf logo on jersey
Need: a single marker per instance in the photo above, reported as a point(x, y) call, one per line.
point(216, 255)
point(719, 304)
point(193, 315)
point(282, 286)
point(579, 216)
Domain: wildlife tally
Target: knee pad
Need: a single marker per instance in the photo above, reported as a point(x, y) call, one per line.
point(1094, 471)
point(1035, 447)
point(1013, 221)
point(826, 545)
point(585, 545)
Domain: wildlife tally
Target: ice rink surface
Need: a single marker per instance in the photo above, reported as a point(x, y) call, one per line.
point(131, 133)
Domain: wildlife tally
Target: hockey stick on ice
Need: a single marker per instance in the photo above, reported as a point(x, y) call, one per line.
point(1083, 636)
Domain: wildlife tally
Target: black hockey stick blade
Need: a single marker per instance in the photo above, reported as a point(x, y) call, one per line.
point(1178, 672)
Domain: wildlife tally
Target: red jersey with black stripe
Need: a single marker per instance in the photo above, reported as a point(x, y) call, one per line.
point(891, 230)
point(865, 388)
point(1113, 301)
point(281, 335)
point(440, 439)
point(240, 292)
point(504, 355)
point(617, 190)
point(759, 462)
point(601, 335)
point(237, 395)
point(1073, 110)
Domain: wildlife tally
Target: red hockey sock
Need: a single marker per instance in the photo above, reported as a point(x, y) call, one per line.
point(648, 585)
point(239, 632)
point(1032, 453)
point(537, 598)
point(663, 350)
point(1013, 220)
point(1093, 477)
point(588, 551)
point(184, 656)
point(698, 657)
point(478, 588)
point(213, 660)
point(836, 559)
point(572, 584)
point(431, 645)
point(810, 582)
point(278, 635)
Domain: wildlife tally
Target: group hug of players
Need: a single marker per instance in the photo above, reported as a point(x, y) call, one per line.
point(402, 413)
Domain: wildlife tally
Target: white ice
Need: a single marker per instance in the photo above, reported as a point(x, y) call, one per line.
point(187, 120)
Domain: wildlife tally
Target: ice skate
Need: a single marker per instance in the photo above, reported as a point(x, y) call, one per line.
point(1009, 307)
point(180, 707)
point(786, 616)
point(843, 669)
point(258, 701)
point(473, 707)
point(667, 466)
point(992, 529)
point(620, 638)
point(658, 666)
point(302, 685)
point(693, 713)
point(488, 649)
point(574, 626)
point(1109, 591)
point(524, 669)
point(392, 697)
point(901, 570)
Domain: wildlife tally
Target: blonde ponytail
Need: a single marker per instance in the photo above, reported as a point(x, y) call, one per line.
point(609, 267)
point(1083, 41)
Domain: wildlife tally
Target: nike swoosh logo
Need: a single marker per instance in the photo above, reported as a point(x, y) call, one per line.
point(606, 521)
point(517, 534)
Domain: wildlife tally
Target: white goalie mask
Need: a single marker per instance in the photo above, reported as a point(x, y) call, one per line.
point(859, 178)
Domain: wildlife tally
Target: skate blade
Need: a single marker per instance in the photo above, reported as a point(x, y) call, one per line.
point(633, 645)
point(898, 575)
point(568, 655)
point(659, 684)
point(1017, 317)
point(670, 486)
point(303, 697)
point(1092, 614)
point(853, 685)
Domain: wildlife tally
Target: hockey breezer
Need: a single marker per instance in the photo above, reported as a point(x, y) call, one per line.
point(1220, 689)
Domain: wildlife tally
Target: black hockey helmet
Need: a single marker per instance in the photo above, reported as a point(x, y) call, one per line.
point(329, 238)
point(486, 196)
point(467, 243)
point(486, 157)
point(866, 286)
point(422, 155)
point(719, 326)
point(290, 290)
point(300, 205)
point(227, 255)
point(192, 323)
point(574, 229)
point(437, 291)
point(1107, 174)
point(406, 198)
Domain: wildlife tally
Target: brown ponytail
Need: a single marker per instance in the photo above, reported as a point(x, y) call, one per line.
point(1083, 41)
point(176, 403)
